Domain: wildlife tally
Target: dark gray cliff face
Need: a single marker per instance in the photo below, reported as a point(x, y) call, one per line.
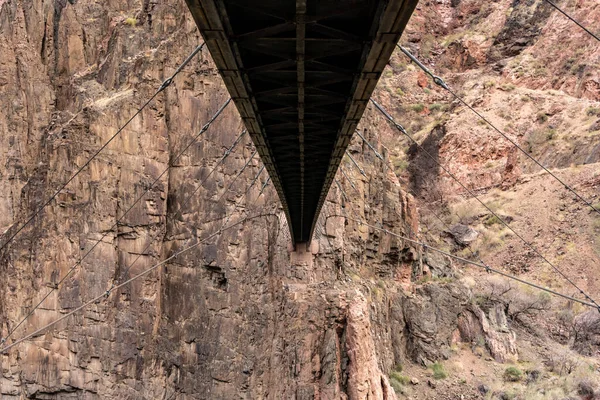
point(231, 318)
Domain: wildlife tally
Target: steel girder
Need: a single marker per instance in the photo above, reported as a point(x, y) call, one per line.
point(301, 73)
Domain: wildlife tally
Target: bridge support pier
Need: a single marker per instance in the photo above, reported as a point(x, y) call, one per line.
point(304, 253)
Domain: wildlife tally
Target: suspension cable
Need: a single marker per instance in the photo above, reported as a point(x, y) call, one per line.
point(467, 261)
point(385, 168)
point(116, 224)
point(187, 200)
point(440, 82)
point(370, 145)
point(247, 191)
point(162, 87)
point(255, 178)
point(141, 274)
point(356, 164)
point(237, 176)
point(468, 245)
point(337, 182)
point(113, 286)
point(348, 179)
point(573, 19)
point(221, 160)
point(404, 132)
point(181, 207)
point(262, 189)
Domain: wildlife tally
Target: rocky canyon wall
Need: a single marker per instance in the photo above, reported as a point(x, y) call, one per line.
point(232, 318)
point(237, 316)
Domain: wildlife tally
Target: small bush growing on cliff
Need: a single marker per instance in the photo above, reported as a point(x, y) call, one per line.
point(591, 111)
point(419, 107)
point(564, 362)
point(513, 374)
point(402, 379)
point(438, 371)
point(398, 388)
point(436, 107)
point(398, 381)
point(492, 220)
point(465, 212)
point(400, 164)
point(131, 21)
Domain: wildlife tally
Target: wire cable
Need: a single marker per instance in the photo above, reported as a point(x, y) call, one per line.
point(337, 182)
point(116, 224)
point(141, 274)
point(370, 145)
point(247, 191)
point(113, 286)
point(573, 19)
point(467, 261)
point(264, 186)
point(187, 200)
point(237, 176)
point(356, 164)
point(440, 82)
point(385, 169)
point(225, 155)
point(348, 179)
point(255, 178)
point(162, 87)
point(468, 245)
point(404, 132)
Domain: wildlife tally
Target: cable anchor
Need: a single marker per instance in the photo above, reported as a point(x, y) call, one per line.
point(165, 84)
point(440, 82)
point(487, 267)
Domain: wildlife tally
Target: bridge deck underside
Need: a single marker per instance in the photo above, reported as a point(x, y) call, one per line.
point(301, 73)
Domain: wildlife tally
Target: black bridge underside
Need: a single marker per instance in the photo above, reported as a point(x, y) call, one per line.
point(301, 73)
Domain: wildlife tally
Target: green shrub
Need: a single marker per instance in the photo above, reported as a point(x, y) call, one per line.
point(438, 371)
point(591, 111)
point(131, 21)
point(400, 164)
point(435, 107)
point(397, 386)
point(513, 374)
point(417, 107)
point(404, 380)
point(399, 381)
point(492, 220)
